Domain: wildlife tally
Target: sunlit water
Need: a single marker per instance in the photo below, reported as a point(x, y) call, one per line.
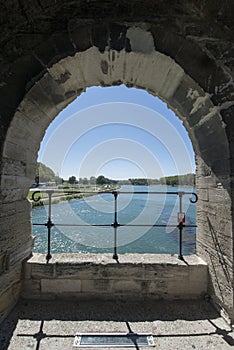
point(133, 209)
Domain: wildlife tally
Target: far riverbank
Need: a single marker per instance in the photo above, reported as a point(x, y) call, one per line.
point(66, 195)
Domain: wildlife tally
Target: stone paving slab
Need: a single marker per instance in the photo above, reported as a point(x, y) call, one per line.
point(175, 325)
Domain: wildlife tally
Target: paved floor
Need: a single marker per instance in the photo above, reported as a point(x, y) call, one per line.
point(174, 325)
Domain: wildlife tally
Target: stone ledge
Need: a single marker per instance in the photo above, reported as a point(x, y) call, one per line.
point(103, 259)
point(136, 276)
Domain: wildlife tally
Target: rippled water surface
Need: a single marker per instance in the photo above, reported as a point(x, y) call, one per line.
point(133, 209)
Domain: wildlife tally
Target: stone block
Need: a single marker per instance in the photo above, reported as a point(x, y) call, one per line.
point(8, 299)
point(198, 275)
point(31, 289)
point(96, 286)
point(158, 287)
point(203, 194)
point(73, 270)
point(27, 271)
point(58, 286)
point(218, 195)
point(38, 108)
point(124, 286)
point(24, 250)
point(90, 61)
point(155, 271)
point(10, 167)
point(42, 270)
point(10, 277)
point(122, 271)
point(10, 195)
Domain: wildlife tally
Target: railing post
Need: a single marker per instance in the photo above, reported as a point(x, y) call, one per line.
point(115, 225)
point(180, 256)
point(180, 225)
point(49, 224)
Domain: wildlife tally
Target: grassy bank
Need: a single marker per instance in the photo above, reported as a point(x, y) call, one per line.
point(58, 197)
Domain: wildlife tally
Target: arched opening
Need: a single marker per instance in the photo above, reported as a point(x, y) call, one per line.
point(109, 131)
point(140, 66)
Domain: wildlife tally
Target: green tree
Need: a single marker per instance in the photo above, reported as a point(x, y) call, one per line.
point(187, 180)
point(85, 181)
point(72, 180)
point(58, 180)
point(139, 182)
point(92, 180)
point(44, 173)
point(102, 180)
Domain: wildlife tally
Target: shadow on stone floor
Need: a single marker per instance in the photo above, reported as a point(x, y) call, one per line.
point(104, 311)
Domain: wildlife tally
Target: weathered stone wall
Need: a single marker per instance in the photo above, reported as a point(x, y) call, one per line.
point(16, 244)
point(168, 81)
point(214, 237)
point(136, 276)
point(181, 52)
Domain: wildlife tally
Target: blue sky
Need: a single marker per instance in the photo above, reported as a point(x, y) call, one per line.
point(117, 132)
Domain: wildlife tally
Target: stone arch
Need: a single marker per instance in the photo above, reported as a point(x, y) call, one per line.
point(130, 55)
point(151, 71)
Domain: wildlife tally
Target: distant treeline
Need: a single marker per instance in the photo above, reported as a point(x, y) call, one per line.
point(45, 174)
point(184, 180)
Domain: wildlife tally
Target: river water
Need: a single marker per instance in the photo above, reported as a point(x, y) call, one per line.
point(133, 209)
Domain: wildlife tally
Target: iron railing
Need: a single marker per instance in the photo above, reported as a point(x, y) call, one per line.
point(115, 225)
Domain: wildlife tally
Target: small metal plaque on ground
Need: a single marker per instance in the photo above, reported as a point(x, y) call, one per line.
point(95, 340)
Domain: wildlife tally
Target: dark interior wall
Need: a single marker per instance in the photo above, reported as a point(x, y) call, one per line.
point(36, 34)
